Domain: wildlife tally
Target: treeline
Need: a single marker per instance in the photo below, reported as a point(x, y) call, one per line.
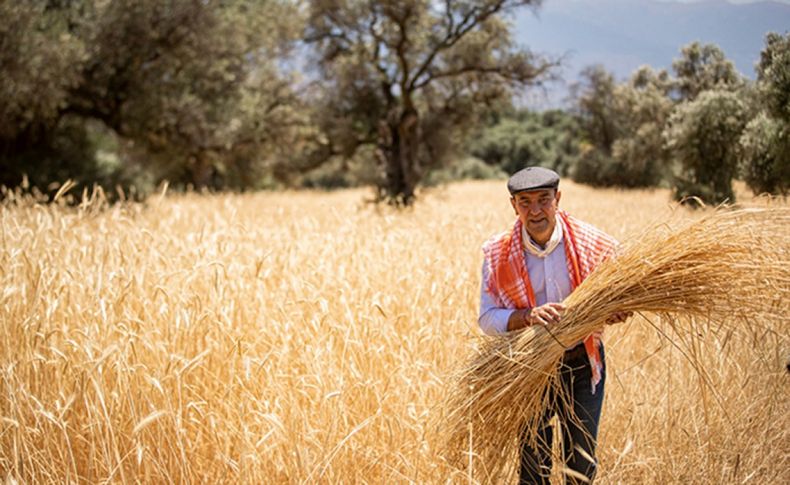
point(248, 94)
point(694, 130)
point(130, 94)
point(245, 94)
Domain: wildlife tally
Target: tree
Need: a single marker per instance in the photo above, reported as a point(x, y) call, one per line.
point(765, 143)
point(39, 65)
point(407, 76)
point(549, 139)
point(596, 108)
point(190, 89)
point(702, 68)
point(773, 75)
point(643, 105)
point(623, 124)
point(703, 136)
point(765, 162)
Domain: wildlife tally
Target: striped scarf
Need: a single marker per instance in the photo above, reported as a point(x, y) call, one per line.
point(508, 281)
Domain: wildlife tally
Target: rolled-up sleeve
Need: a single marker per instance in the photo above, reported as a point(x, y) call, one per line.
point(492, 318)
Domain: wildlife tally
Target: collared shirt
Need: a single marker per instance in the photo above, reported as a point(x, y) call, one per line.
point(550, 280)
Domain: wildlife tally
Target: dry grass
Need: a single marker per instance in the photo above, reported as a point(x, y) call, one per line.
point(305, 337)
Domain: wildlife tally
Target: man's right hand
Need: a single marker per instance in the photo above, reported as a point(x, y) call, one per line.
point(548, 314)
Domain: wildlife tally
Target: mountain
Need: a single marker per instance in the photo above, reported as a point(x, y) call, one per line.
point(624, 34)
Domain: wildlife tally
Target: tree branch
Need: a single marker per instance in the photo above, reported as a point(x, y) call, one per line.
point(454, 33)
point(503, 70)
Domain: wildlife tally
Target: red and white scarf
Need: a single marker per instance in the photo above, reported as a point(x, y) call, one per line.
point(585, 248)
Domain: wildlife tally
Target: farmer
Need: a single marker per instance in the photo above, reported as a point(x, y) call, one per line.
point(527, 272)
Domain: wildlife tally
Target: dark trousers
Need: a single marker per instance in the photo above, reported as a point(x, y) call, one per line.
point(579, 429)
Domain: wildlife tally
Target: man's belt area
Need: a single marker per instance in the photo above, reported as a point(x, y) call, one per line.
point(575, 354)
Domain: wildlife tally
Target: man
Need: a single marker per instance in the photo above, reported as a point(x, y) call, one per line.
point(527, 273)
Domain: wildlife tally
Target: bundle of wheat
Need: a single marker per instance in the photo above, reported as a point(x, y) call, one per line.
point(715, 270)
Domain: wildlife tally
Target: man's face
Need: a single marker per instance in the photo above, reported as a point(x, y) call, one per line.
point(537, 210)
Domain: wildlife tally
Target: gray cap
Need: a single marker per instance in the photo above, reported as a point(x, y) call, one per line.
point(533, 178)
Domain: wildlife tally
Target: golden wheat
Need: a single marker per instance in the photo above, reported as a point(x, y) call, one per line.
point(308, 337)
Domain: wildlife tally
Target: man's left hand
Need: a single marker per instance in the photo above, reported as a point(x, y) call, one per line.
point(618, 317)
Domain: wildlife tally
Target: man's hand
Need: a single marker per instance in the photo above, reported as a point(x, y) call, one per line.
point(618, 317)
point(548, 314)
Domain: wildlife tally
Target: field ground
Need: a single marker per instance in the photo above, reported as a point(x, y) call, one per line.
point(308, 337)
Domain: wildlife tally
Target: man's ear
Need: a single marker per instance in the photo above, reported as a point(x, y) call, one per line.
point(557, 196)
point(513, 204)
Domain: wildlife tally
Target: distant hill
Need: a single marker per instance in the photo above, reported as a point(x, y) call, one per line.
point(624, 34)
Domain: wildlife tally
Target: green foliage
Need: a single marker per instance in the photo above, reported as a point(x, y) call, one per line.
point(773, 76)
point(411, 77)
point(38, 66)
point(624, 125)
point(593, 167)
point(765, 143)
point(191, 88)
point(341, 172)
point(703, 136)
point(639, 158)
point(468, 168)
point(595, 103)
point(548, 139)
point(39, 63)
point(765, 162)
point(702, 68)
point(621, 126)
point(60, 153)
point(597, 108)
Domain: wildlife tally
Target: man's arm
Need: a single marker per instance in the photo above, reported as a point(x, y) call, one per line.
point(493, 319)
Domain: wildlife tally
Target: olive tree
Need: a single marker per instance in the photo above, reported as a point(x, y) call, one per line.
point(765, 144)
point(702, 67)
point(703, 137)
point(406, 77)
point(191, 90)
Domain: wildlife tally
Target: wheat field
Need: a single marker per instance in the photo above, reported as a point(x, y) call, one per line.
point(306, 337)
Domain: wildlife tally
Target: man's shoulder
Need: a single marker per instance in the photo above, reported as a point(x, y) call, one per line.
point(496, 240)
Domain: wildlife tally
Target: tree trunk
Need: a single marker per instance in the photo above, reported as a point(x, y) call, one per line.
point(201, 170)
point(401, 158)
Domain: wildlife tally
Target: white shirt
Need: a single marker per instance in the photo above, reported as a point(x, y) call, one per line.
point(550, 281)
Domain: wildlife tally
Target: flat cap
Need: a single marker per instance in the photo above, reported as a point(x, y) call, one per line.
point(533, 178)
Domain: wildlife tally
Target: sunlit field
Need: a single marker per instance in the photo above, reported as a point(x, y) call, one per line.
point(307, 337)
